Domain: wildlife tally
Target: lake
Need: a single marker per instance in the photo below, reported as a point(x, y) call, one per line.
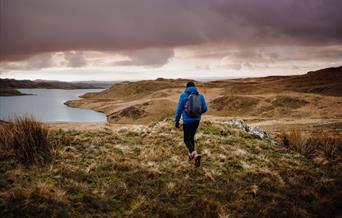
point(47, 105)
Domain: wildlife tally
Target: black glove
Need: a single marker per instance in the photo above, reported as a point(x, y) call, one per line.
point(177, 125)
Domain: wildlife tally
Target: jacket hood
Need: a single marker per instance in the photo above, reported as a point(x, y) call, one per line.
point(191, 89)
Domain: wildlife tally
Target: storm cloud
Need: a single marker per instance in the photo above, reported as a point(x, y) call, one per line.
point(33, 27)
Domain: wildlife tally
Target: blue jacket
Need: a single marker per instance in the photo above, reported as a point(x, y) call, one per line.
point(180, 111)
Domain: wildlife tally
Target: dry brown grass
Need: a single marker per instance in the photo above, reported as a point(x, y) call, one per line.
point(329, 148)
point(235, 105)
point(25, 140)
point(145, 172)
point(324, 148)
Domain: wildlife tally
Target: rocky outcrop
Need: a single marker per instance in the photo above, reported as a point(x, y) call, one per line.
point(252, 130)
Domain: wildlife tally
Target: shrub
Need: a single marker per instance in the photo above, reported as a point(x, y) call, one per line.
point(25, 140)
point(323, 147)
point(329, 148)
point(298, 141)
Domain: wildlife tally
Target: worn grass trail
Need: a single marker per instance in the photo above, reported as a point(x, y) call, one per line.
point(144, 172)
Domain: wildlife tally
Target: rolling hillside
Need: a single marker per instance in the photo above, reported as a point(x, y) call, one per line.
point(313, 98)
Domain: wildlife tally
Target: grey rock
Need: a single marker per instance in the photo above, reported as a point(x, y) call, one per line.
point(258, 132)
point(239, 123)
point(252, 130)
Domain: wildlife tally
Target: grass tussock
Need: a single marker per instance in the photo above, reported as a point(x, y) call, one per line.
point(145, 172)
point(25, 140)
point(323, 148)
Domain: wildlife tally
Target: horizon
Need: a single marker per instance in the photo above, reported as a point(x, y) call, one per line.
point(19, 75)
point(201, 79)
point(198, 79)
point(204, 79)
point(134, 40)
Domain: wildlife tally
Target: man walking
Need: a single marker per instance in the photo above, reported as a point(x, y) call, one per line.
point(190, 106)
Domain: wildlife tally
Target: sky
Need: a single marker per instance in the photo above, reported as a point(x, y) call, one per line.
point(75, 40)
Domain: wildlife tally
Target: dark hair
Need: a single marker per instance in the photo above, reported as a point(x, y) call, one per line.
point(190, 84)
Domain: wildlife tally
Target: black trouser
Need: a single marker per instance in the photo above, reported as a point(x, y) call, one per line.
point(189, 135)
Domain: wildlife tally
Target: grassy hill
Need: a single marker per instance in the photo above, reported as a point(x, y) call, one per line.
point(324, 82)
point(313, 98)
point(144, 172)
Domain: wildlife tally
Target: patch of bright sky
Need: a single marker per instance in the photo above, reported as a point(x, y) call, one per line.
point(176, 68)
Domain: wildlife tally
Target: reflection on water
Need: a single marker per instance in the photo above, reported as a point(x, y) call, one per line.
point(47, 105)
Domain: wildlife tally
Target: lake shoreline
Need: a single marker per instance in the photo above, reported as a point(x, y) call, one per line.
point(47, 105)
point(15, 92)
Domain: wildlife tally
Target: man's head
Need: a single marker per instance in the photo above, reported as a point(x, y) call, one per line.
point(190, 84)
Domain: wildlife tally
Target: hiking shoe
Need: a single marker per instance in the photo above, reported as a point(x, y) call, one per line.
point(192, 155)
point(198, 160)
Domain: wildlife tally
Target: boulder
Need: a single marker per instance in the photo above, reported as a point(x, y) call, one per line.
point(252, 130)
point(239, 123)
point(258, 132)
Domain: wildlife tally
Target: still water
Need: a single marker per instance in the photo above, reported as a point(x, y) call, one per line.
point(47, 105)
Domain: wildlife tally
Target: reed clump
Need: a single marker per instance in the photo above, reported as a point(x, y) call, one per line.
point(323, 148)
point(24, 139)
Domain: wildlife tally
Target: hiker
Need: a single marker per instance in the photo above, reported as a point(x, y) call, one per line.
point(190, 106)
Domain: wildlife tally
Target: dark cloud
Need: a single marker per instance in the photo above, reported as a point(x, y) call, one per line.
point(36, 26)
point(264, 57)
point(75, 59)
point(40, 61)
point(146, 57)
point(36, 62)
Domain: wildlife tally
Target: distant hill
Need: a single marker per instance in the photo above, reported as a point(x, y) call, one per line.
point(325, 82)
point(8, 86)
point(12, 83)
point(100, 83)
point(332, 73)
point(10, 92)
point(136, 90)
